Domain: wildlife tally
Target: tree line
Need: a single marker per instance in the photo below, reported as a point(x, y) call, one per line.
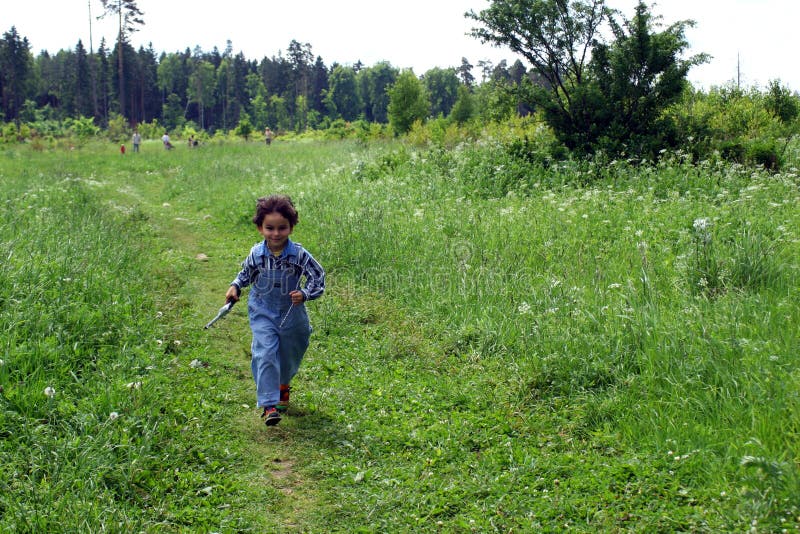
point(601, 82)
point(213, 90)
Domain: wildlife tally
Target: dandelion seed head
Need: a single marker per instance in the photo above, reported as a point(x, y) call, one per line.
point(49, 392)
point(113, 416)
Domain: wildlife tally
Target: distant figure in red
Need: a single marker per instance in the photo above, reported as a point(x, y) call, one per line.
point(122, 149)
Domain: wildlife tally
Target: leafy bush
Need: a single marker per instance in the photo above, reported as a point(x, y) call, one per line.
point(82, 127)
point(245, 127)
point(763, 152)
point(9, 133)
point(743, 126)
point(118, 130)
point(150, 130)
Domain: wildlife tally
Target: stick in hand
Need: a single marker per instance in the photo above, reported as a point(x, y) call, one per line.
point(223, 311)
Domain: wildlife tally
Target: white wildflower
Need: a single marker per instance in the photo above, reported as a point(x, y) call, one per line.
point(524, 308)
point(701, 224)
point(195, 364)
point(614, 286)
point(113, 416)
point(133, 385)
point(49, 392)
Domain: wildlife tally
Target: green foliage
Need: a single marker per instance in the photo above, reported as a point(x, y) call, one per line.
point(740, 125)
point(439, 132)
point(342, 98)
point(244, 128)
point(408, 102)
point(464, 108)
point(781, 102)
point(118, 130)
point(16, 73)
point(373, 84)
point(172, 112)
point(637, 78)
point(442, 88)
point(613, 104)
point(150, 130)
point(82, 127)
point(9, 133)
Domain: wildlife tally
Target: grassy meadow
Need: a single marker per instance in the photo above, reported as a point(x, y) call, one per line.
point(504, 345)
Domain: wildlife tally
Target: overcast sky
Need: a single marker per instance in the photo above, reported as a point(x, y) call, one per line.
point(418, 34)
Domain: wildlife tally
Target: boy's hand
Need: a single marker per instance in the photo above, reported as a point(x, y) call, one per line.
point(232, 295)
point(297, 296)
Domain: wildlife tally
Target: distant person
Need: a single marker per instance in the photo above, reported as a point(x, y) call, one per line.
point(166, 141)
point(276, 303)
point(192, 142)
point(137, 140)
point(268, 136)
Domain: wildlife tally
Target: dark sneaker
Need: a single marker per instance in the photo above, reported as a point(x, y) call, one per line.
point(283, 403)
point(271, 416)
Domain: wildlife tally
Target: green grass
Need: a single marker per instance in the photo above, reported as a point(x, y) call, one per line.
point(498, 350)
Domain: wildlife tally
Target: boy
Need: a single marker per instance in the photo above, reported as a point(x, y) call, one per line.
point(276, 303)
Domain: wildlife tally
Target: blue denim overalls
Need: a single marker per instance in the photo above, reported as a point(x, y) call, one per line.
point(279, 340)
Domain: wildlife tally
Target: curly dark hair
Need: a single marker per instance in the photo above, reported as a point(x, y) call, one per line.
point(275, 203)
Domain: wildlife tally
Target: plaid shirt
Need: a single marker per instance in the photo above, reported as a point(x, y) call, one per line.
point(293, 253)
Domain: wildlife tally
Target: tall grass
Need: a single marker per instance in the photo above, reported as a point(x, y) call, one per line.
point(506, 344)
point(91, 422)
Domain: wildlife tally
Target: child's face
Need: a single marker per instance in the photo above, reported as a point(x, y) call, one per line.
point(276, 229)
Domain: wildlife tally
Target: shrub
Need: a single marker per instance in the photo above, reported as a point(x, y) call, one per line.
point(118, 130)
point(763, 152)
point(150, 130)
point(8, 133)
point(82, 127)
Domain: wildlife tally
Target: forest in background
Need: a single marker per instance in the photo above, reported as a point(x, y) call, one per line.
point(630, 97)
